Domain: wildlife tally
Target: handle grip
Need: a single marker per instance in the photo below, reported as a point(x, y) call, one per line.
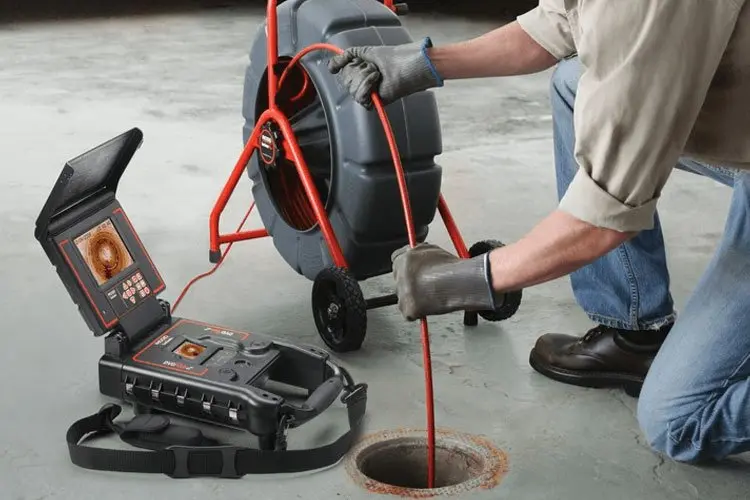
point(317, 402)
point(324, 395)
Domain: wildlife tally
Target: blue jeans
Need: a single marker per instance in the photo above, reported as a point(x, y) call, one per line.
point(695, 401)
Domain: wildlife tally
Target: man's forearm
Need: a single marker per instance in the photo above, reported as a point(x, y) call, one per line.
point(557, 246)
point(506, 51)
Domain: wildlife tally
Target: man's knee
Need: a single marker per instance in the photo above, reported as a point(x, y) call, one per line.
point(671, 427)
point(565, 78)
point(654, 422)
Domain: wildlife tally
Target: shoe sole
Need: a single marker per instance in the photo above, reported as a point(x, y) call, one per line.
point(631, 384)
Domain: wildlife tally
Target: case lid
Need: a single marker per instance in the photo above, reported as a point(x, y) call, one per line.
point(93, 173)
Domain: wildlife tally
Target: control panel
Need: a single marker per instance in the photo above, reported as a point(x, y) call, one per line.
point(202, 350)
point(128, 293)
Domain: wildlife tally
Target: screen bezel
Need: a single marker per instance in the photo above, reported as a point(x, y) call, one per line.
point(95, 294)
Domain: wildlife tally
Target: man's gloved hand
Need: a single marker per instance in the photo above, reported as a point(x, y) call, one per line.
point(430, 281)
point(393, 71)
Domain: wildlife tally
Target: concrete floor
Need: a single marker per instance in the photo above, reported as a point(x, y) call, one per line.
point(71, 85)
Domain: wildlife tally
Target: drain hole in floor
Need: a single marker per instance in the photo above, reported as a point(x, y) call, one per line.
point(395, 463)
point(402, 462)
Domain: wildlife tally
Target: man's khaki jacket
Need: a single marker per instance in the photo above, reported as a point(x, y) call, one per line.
point(661, 79)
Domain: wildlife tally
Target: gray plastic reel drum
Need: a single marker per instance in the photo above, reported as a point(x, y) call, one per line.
point(343, 144)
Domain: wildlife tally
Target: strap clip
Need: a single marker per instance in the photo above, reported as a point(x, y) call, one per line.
point(203, 462)
point(354, 394)
point(285, 423)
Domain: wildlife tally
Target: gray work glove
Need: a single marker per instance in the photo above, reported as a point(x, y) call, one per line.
point(393, 71)
point(431, 281)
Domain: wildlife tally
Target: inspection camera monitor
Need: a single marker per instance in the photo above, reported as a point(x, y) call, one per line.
point(156, 361)
point(90, 240)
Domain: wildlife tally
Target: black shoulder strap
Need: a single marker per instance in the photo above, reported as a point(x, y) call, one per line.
point(196, 455)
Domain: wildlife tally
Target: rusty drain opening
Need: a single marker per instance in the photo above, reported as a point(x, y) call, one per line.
point(403, 462)
point(395, 462)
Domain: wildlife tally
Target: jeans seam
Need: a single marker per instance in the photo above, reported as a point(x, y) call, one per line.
point(728, 174)
point(618, 323)
point(731, 173)
point(728, 440)
point(732, 375)
point(632, 283)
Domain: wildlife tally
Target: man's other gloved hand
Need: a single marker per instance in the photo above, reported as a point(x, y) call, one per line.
point(393, 71)
point(431, 281)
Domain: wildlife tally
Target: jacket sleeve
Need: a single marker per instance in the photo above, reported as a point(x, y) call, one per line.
point(647, 67)
point(548, 25)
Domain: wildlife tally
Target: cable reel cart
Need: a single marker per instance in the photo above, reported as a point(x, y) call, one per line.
point(336, 216)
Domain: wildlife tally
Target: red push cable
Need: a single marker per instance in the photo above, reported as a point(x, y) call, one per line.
point(218, 264)
point(426, 356)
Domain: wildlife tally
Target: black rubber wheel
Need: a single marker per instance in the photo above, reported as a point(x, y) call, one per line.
point(339, 309)
point(512, 300)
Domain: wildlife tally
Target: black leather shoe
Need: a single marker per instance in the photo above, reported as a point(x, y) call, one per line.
point(601, 358)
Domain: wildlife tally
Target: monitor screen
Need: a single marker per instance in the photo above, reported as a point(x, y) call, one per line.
point(104, 251)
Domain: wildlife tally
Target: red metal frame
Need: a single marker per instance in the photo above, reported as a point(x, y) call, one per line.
point(292, 152)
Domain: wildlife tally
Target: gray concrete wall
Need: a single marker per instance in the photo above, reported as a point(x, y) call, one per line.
point(15, 10)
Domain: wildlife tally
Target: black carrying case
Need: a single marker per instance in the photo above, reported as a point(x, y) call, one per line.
point(166, 365)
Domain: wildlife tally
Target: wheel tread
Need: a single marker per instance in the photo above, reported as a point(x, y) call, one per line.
point(354, 304)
